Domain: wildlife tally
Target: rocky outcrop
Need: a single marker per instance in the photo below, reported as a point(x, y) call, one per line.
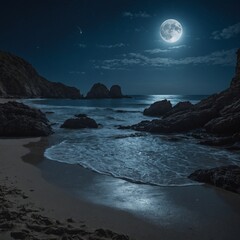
point(99, 91)
point(158, 108)
point(115, 92)
point(236, 80)
point(218, 114)
point(79, 123)
point(19, 120)
point(20, 80)
point(226, 177)
point(179, 107)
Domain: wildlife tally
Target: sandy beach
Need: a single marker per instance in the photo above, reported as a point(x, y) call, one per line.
point(51, 200)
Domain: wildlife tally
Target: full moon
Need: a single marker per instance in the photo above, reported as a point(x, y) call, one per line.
point(171, 30)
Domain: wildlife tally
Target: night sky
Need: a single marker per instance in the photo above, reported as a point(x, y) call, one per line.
point(81, 42)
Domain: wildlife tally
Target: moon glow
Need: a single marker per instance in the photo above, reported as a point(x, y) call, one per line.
point(171, 30)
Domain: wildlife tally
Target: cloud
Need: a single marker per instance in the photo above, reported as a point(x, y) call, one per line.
point(118, 45)
point(222, 58)
point(136, 15)
point(178, 46)
point(81, 45)
point(158, 50)
point(226, 33)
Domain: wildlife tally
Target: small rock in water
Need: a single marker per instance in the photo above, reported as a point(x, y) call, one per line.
point(79, 123)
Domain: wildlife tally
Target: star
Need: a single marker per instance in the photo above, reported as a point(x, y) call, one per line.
point(80, 30)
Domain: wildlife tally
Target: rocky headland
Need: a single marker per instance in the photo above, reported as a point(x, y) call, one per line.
point(18, 79)
point(214, 120)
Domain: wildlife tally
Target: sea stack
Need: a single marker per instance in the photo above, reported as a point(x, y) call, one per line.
point(99, 90)
point(115, 92)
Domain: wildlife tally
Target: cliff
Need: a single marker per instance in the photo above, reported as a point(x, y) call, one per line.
point(19, 79)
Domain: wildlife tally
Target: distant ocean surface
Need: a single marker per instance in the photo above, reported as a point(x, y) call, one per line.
point(133, 156)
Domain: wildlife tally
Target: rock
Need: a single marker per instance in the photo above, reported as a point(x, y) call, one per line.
point(98, 90)
point(19, 79)
point(19, 120)
point(158, 108)
point(179, 107)
point(228, 121)
point(115, 92)
point(226, 177)
point(218, 114)
point(178, 123)
point(236, 80)
point(78, 123)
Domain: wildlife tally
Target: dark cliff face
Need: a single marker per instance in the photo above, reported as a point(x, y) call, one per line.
point(19, 79)
point(236, 80)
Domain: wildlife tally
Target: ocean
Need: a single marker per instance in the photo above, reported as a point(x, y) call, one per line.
point(152, 159)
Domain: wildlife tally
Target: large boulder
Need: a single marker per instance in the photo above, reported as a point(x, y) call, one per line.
point(226, 177)
point(158, 108)
point(98, 90)
point(20, 80)
point(115, 92)
point(79, 123)
point(19, 120)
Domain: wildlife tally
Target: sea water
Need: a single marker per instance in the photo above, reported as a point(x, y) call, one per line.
point(163, 160)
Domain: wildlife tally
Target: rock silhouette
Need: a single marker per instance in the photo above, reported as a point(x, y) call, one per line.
point(99, 91)
point(19, 120)
point(218, 114)
point(158, 108)
point(18, 79)
point(79, 123)
point(226, 177)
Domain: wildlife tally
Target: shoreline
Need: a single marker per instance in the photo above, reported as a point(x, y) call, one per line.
point(63, 191)
point(192, 212)
point(56, 203)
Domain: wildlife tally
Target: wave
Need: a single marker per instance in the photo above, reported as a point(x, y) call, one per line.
point(125, 178)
